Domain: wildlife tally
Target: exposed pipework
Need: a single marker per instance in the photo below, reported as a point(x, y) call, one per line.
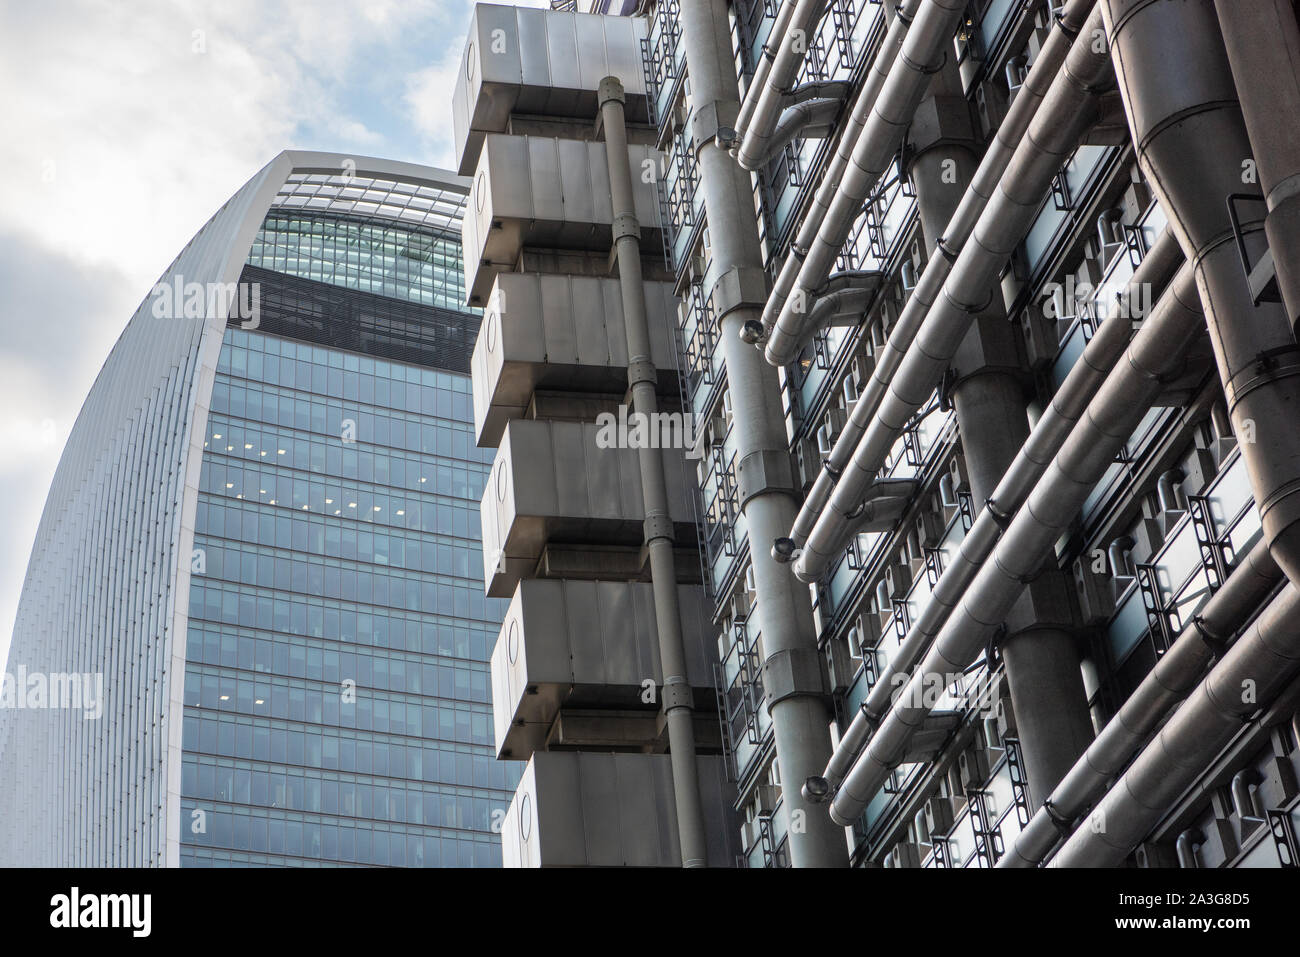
point(1119, 552)
point(1154, 356)
point(1167, 490)
point(881, 65)
point(1053, 134)
point(891, 114)
point(1193, 147)
point(811, 119)
point(1205, 637)
point(792, 667)
point(1194, 116)
point(881, 511)
point(642, 380)
point(1263, 48)
point(992, 166)
point(1049, 434)
point(764, 66)
point(778, 83)
point(846, 294)
point(1251, 676)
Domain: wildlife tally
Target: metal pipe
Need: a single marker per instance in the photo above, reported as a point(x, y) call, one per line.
point(992, 166)
point(1053, 134)
point(1119, 552)
point(1253, 673)
point(1049, 434)
point(830, 183)
point(792, 46)
point(891, 114)
point(797, 704)
point(852, 290)
point(811, 119)
point(1263, 47)
point(761, 69)
point(1155, 354)
point(1169, 682)
point(1173, 118)
point(642, 379)
point(1168, 488)
point(1193, 145)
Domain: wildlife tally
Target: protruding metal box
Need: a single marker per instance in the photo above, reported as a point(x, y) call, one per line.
point(553, 482)
point(543, 63)
point(560, 332)
point(585, 809)
point(547, 192)
point(587, 644)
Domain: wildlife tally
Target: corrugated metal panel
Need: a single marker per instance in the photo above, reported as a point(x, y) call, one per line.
point(586, 644)
point(542, 62)
point(560, 332)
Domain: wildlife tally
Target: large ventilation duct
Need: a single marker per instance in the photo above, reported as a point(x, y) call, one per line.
point(992, 166)
point(1155, 356)
point(1067, 111)
point(891, 115)
point(1264, 49)
point(881, 65)
point(771, 97)
point(1052, 429)
point(1265, 660)
point(1168, 683)
point(1192, 144)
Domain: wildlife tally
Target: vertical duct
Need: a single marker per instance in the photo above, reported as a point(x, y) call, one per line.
point(642, 380)
point(792, 668)
point(1192, 144)
point(1264, 51)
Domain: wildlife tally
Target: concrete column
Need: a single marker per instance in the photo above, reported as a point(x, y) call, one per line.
point(792, 666)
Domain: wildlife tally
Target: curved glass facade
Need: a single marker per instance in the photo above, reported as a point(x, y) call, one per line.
point(334, 704)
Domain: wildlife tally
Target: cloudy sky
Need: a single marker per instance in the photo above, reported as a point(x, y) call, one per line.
point(126, 124)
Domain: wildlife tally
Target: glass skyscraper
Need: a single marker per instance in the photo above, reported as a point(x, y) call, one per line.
point(334, 705)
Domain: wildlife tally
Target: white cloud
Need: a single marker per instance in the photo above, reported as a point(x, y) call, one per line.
point(428, 96)
point(125, 130)
point(428, 100)
point(127, 124)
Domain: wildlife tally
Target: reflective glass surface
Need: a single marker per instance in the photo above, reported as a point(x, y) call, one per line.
point(336, 691)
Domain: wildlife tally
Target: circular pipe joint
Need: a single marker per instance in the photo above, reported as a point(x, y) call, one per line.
point(816, 789)
point(784, 550)
point(752, 332)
